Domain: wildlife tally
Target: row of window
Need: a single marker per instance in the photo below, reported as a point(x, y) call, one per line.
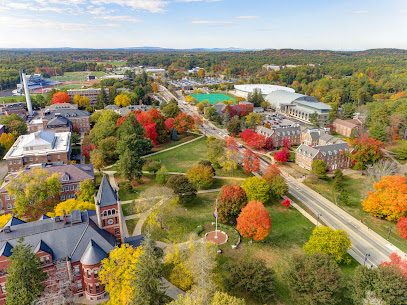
point(44, 260)
point(66, 197)
point(95, 274)
point(92, 289)
point(109, 212)
point(67, 188)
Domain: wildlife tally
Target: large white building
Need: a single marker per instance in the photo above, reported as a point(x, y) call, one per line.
point(244, 90)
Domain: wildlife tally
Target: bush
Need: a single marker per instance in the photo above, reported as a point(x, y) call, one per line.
point(126, 186)
point(198, 230)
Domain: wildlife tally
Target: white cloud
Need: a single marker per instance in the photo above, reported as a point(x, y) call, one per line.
point(152, 6)
point(359, 12)
point(119, 18)
point(44, 24)
point(211, 22)
point(247, 17)
point(198, 0)
point(27, 6)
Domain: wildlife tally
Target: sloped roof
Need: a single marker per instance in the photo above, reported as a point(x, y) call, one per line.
point(13, 221)
point(93, 254)
point(43, 216)
point(40, 138)
point(6, 250)
point(58, 120)
point(347, 123)
point(306, 150)
point(135, 241)
point(106, 196)
point(330, 139)
point(43, 247)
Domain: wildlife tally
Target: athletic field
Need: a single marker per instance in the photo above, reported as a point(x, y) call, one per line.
point(213, 98)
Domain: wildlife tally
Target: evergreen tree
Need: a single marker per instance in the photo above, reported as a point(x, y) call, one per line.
point(147, 283)
point(314, 119)
point(101, 99)
point(226, 118)
point(131, 126)
point(25, 276)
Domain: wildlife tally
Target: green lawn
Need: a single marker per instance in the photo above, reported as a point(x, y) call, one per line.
point(127, 209)
point(182, 139)
point(213, 98)
point(117, 63)
point(69, 78)
point(148, 181)
point(357, 189)
point(183, 158)
point(69, 87)
point(131, 225)
point(12, 99)
point(98, 73)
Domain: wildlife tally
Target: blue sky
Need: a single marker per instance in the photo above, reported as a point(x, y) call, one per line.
point(251, 24)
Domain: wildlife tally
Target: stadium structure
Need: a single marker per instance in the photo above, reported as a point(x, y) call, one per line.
point(35, 82)
point(244, 90)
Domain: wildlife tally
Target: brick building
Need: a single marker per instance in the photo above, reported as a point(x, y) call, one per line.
point(39, 147)
point(334, 155)
point(311, 137)
point(70, 177)
point(57, 124)
point(77, 243)
point(90, 93)
point(293, 134)
point(16, 108)
point(347, 127)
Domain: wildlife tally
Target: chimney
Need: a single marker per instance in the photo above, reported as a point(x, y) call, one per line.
point(69, 268)
point(64, 217)
point(27, 95)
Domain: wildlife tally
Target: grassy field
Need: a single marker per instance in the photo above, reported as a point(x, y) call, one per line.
point(182, 139)
point(290, 230)
point(69, 87)
point(98, 73)
point(131, 225)
point(184, 157)
point(148, 181)
point(357, 187)
point(213, 98)
point(12, 99)
point(117, 63)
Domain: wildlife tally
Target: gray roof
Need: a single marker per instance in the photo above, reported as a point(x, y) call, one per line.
point(43, 247)
point(306, 150)
point(66, 113)
point(93, 254)
point(112, 107)
point(283, 131)
point(282, 97)
point(333, 149)
point(40, 138)
point(59, 120)
point(106, 196)
point(134, 241)
point(65, 240)
point(13, 221)
point(330, 139)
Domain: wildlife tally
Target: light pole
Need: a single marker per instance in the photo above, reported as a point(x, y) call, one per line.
point(367, 255)
point(319, 215)
point(388, 237)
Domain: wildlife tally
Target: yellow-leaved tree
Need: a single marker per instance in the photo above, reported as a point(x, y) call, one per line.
point(70, 205)
point(3, 219)
point(7, 140)
point(180, 275)
point(118, 273)
point(122, 100)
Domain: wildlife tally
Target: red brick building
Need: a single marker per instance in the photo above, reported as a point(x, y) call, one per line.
point(39, 147)
point(72, 246)
point(293, 134)
point(347, 127)
point(70, 177)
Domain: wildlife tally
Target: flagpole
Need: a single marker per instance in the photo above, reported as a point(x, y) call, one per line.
point(216, 219)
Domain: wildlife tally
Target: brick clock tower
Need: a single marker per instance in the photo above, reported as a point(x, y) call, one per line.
point(107, 210)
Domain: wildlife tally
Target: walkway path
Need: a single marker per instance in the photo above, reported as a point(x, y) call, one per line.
point(171, 148)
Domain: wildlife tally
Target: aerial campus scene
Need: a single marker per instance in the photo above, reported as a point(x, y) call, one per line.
point(192, 152)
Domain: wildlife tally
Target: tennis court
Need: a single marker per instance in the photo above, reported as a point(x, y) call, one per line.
point(212, 98)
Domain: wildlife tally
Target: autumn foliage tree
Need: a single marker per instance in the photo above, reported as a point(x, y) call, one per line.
point(60, 98)
point(397, 262)
point(389, 199)
point(7, 140)
point(246, 134)
point(286, 203)
point(268, 143)
point(280, 157)
point(365, 151)
point(231, 200)
point(402, 227)
point(201, 176)
point(286, 143)
point(276, 182)
point(251, 162)
point(254, 221)
point(257, 141)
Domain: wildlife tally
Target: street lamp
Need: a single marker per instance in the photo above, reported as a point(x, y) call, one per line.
point(367, 255)
point(388, 237)
point(319, 215)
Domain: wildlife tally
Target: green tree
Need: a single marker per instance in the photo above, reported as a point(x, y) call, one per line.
point(34, 191)
point(314, 279)
point(334, 243)
point(139, 91)
point(251, 276)
point(97, 159)
point(234, 126)
point(162, 175)
point(314, 119)
point(147, 282)
point(14, 124)
point(378, 132)
point(200, 176)
point(348, 110)
point(256, 189)
point(253, 120)
point(226, 118)
point(333, 113)
point(75, 138)
point(401, 150)
point(338, 180)
point(221, 298)
point(319, 168)
point(86, 191)
point(216, 150)
point(256, 98)
point(104, 127)
point(170, 111)
point(211, 114)
point(185, 190)
point(101, 99)
point(108, 147)
point(24, 281)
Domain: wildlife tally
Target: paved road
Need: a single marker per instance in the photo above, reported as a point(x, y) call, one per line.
point(366, 244)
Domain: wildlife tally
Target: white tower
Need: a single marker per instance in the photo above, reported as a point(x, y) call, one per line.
point(27, 95)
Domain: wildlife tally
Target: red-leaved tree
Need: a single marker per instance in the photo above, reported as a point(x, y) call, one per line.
point(169, 124)
point(402, 227)
point(280, 157)
point(86, 149)
point(286, 143)
point(246, 134)
point(151, 132)
point(251, 162)
point(60, 98)
point(397, 262)
point(231, 200)
point(269, 144)
point(286, 151)
point(365, 151)
point(231, 143)
point(183, 122)
point(286, 203)
point(257, 141)
point(254, 221)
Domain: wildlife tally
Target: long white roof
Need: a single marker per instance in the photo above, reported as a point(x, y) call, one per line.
point(265, 89)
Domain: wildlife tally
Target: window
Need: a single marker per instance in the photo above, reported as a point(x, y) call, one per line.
point(47, 259)
point(42, 260)
point(109, 212)
point(113, 212)
point(79, 285)
point(104, 213)
point(8, 206)
point(88, 274)
point(10, 162)
point(7, 197)
point(116, 231)
point(72, 187)
point(65, 178)
point(97, 288)
point(3, 288)
point(15, 161)
point(63, 197)
point(116, 220)
point(61, 189)
point(31, 158)
point(95, 274)
point(78, 187)
point(66, 188)
point(59, 156)
point(104, 222)
point(13, 196)
point(90, 289)
point(76, 270)
point(19, 161)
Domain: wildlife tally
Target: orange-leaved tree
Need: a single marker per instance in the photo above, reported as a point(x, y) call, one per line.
point(365, 151)
point(397, 262)
point(402, 227)
point(60, 98)
point(251, 162)
point(254, 221)
point(231, 200)
point(389, 199)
